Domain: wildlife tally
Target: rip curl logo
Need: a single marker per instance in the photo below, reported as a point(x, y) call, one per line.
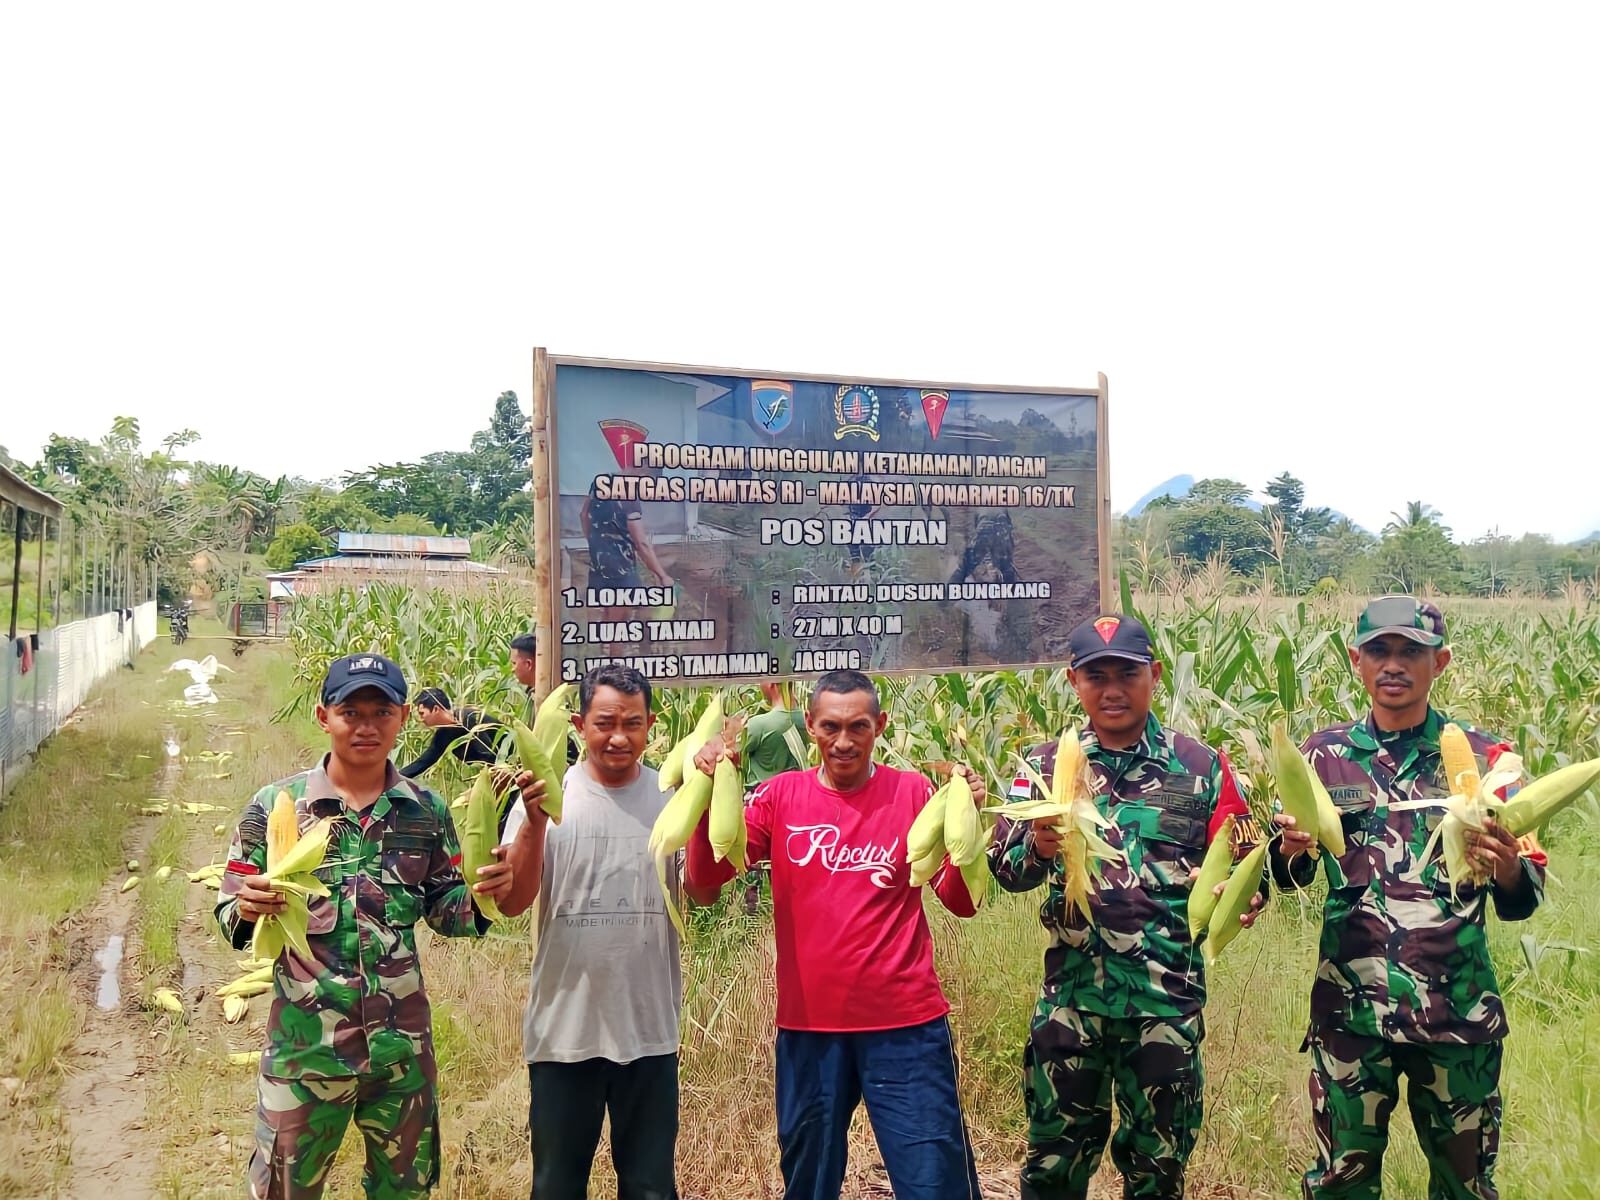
point(821, 842)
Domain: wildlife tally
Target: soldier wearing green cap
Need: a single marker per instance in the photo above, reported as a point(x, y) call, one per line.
point(1404, 985)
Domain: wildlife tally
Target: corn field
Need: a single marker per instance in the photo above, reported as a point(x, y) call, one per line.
point(1529, 671)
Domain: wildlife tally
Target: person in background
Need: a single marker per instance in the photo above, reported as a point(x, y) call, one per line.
point(470, 736)
point(524, 668)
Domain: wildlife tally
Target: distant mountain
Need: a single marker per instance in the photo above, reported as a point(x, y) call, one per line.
point(1177, 487)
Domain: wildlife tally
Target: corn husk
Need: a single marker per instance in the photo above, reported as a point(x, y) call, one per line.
point(534, 759)
point(727, 826)
point(234, 1009)
point(166, 998)
point(1303, 795)
point(1213, 870)
point(963, 829)
point(1234, 902)
point(478, 831)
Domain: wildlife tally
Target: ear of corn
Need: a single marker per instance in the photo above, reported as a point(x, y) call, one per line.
point(291, 859)
point(926, 867)
point(234, 1009)
point(131, 882)
point(1234, 903)
point(976, 876)
point(1463, 811)
point(283, 828)
point(478, 831)
point(727, 813)
point(532, 753)
point(963, 833)
point(244, 1058)
point(927, 831)
point(552, 724)
point(1082, 849)
point(133, 865)
point(162, 873)
point(1068, 777)
point(1293, 775)
point(1544, 797)
point(1457, 763)
point(252, 983)
point(1213, 870)
point(166, 998)
point(673, 828)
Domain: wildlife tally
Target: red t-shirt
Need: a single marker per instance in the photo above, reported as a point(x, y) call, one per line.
point(854, 950)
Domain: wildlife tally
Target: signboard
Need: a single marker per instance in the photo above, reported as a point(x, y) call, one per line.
point(720, 525)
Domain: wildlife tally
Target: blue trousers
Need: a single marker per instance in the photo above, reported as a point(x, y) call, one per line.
point(907, 1078)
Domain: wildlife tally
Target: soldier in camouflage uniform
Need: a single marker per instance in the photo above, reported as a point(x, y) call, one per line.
point(1404, 985)
point(1120, 1010)
point(350, 1033)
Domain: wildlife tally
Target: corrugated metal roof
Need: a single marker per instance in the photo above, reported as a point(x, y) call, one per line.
point(397, 565)
point(404, 543)
point(23, 494)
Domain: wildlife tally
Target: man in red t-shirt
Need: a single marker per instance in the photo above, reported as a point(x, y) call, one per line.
point(860, 1011)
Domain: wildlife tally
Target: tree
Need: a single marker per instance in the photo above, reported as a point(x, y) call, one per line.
point(324, 510)
point(295, 544)
point(1219, 491)
point(1290, 495)
point(1417, 552)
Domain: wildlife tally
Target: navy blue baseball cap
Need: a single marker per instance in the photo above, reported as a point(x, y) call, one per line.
point(1110, 636)
point(348, 675)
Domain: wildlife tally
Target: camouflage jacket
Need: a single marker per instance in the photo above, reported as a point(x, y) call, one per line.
point(1400, 959)
point(359, 1006)
point(1165, 798)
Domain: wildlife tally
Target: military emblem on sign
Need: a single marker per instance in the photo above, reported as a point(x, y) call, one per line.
point(934, 406)
point(772, 405)
point(855, 410)
point(621, 436)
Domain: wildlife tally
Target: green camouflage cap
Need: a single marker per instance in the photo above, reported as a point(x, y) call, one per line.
point(1403, 615)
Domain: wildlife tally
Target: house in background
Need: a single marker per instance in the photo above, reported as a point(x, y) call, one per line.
point(423, 562)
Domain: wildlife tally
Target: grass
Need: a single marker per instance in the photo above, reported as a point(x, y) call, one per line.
point(62, 831)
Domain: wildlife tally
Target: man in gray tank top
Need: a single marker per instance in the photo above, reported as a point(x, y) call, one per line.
point(600, 1033)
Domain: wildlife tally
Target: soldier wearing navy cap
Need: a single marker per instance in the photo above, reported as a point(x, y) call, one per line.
point(1119, 1014)
point(350, 1035)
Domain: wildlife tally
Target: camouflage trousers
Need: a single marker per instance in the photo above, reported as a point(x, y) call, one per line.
point(1073, 1066)
point(300, 1123)
point(1453, 1093)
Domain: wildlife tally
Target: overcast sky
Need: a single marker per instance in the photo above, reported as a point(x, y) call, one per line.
point(1356, 242)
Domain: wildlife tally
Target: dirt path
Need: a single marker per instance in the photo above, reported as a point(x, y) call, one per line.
point(103, 1095)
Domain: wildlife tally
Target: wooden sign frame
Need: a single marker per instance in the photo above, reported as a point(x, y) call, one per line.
point(546, 505)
